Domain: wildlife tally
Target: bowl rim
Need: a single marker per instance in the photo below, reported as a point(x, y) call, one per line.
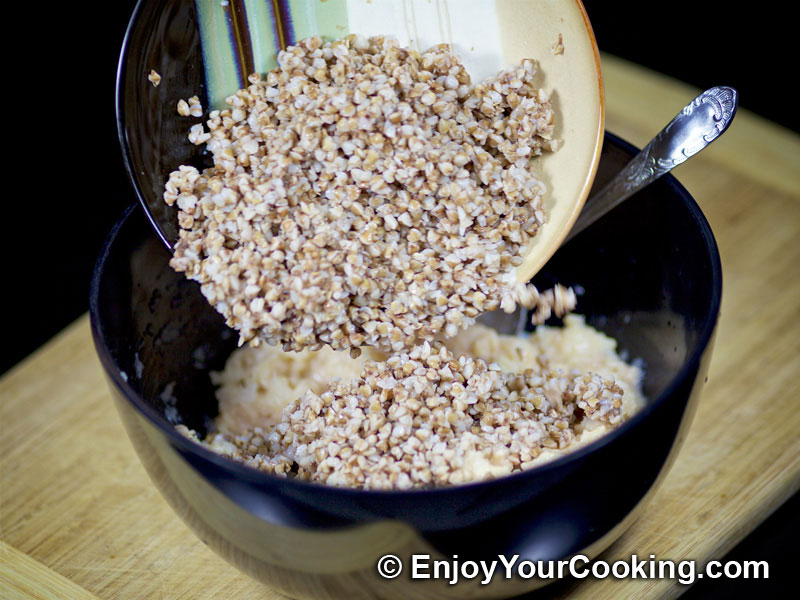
point(282, 484)
point(122, 133)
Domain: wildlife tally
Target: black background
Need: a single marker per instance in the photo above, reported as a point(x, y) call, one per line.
point(73, 185)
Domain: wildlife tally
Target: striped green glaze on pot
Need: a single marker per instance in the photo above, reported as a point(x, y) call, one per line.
point(240, 37)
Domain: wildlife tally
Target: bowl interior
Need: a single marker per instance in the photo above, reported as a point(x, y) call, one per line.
point(208, 49)
point(652, 279)
point(649, 270)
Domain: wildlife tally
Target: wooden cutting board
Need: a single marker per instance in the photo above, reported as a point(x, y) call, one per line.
point(80, 519)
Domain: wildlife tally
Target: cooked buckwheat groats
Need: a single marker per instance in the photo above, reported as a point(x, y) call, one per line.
point(154, 78)
point(481, 406)
point(363, 194)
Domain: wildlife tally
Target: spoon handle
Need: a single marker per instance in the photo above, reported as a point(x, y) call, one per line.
point(702, 121)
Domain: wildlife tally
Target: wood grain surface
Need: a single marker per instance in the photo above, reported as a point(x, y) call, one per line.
point(80, 519)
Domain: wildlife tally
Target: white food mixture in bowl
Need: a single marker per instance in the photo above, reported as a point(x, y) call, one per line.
point(482, 405)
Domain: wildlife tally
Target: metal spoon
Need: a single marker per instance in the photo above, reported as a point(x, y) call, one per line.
point(701, 121)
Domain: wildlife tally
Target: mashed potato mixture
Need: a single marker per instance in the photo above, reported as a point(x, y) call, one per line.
point(478, 406)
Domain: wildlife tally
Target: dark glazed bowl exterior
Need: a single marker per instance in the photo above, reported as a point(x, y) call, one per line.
point(652, 279)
